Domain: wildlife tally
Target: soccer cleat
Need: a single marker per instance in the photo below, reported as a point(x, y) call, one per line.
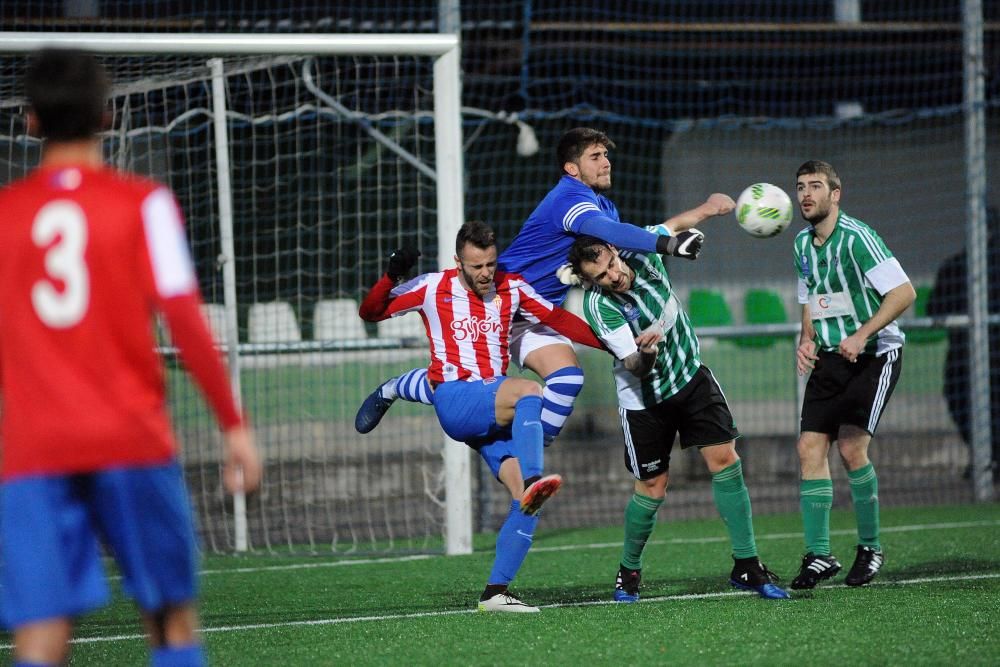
point(505, 602)
point(372, 410)
point(866, 565)
point(749, 574)
point(540, 490)
point(814, 570)
point(627, 585)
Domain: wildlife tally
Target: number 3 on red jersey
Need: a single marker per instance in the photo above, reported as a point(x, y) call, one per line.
point(61, 226)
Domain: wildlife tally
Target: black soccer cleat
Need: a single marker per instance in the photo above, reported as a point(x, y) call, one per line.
point(372, 410)
point(814, 570)
point(866, 565)
point(627, 584)
point(749, 574)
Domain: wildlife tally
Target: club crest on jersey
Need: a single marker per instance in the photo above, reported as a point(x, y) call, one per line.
point(497, 302)
point(473, 327)
point(66, 179)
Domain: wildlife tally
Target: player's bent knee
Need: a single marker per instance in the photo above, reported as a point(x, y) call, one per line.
point(519, 388)
point(551, 358)
point(854, 458)
point(653, 488)
point(721, 456)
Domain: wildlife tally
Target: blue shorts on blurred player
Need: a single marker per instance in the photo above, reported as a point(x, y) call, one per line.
point(52, 529)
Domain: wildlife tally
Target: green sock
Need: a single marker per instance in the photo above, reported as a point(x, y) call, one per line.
point(815, 501)
point(864, 494)
point(640, 519)
point(733, 503)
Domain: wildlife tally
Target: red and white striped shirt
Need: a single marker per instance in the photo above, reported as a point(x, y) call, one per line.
point(469, 334)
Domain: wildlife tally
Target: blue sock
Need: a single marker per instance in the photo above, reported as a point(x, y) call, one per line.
point(410, 386)
point(527, 432)
point(513, 542)
point(561, 390)
point(179, 656)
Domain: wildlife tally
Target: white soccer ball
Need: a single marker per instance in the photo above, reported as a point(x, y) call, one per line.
point(764, 210)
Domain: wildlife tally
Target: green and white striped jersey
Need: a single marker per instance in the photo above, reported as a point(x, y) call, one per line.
point(843, 282)
point(617, 318)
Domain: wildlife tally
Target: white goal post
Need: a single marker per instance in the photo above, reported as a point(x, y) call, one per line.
point(447, 173)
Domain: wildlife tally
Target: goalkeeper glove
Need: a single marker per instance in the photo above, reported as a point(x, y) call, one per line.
point(686, 244)
point(400, 262)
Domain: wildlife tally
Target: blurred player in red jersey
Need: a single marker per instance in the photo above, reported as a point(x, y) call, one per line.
point(87, 255)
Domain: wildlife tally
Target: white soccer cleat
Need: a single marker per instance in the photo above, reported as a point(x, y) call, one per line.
point(506, 602)
point(540, 490)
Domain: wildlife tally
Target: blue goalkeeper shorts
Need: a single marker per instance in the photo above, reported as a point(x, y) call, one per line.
point(52, 527)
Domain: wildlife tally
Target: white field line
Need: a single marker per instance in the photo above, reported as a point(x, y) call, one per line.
point(455, 612)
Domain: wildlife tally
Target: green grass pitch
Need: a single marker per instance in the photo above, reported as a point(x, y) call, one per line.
point(936, 602)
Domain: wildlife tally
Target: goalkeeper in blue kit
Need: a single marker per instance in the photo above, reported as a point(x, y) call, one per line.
point(663, 391)
point(575, 206)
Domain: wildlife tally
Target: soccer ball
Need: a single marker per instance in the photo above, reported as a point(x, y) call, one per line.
point(764, 210)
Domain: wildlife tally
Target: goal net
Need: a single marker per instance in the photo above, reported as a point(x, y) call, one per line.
point(699, 97)
point(334, 162)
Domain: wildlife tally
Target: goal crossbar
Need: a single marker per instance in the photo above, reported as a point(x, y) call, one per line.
point(226, 44)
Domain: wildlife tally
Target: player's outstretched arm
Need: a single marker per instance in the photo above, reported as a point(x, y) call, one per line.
point(686, 244)
point(621, 235)
point(717, 204)
point(374, 306)
point(572, 327)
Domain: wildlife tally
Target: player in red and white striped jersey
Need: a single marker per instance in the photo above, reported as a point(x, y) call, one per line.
point(87, 255)
point(469, 329)
point(467, 313)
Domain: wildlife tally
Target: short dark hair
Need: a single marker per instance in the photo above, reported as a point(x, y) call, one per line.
point(68, 91)
point(477, 233)
point(820, 167)
point(576, 141)
point(585, 249)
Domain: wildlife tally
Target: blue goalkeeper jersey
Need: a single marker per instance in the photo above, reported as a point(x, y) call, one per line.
point(543, 243)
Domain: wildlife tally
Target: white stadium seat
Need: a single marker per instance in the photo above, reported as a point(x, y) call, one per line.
point(215, 314)
point(273, 323)
point(337, 319)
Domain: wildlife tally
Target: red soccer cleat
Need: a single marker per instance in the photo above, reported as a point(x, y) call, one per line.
point(539, 491)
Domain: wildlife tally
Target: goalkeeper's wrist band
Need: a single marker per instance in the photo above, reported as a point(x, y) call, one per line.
point(663, 245)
